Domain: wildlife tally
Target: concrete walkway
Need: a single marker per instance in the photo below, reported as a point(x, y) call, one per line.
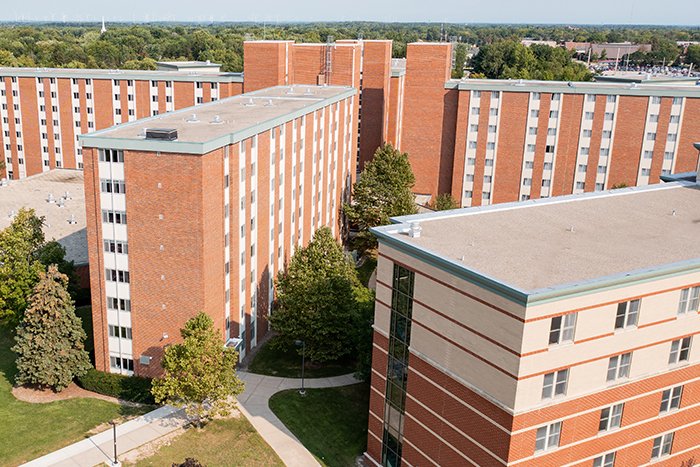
point(99, 448)
point(253, 403)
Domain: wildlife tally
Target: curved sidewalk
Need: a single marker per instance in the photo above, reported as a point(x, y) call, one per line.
point(254, 404)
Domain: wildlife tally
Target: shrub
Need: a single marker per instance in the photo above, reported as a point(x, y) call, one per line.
point(128, 388)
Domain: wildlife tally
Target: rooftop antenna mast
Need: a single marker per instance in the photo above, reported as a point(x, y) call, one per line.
point(329, 60)
point(104, 28)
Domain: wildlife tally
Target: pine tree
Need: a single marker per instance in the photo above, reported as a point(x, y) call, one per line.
point(200, 373)
point(382, 191)
point(50, 338)
point(316, 300)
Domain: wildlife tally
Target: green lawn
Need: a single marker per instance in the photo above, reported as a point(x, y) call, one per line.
point(28, 430)
point(286, 363)
point(230, 442)
point(331, 423)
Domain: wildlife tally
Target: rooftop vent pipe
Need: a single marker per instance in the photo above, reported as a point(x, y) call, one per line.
point(414, 230)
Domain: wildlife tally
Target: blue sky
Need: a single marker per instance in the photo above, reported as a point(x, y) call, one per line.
point(680, 12)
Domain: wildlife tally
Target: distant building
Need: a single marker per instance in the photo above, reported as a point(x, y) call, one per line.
point(191, 67)
point(612, 50)
point(544, 333)
point(529, 42)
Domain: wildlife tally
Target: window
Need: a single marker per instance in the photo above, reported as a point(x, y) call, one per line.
point(606, 460)
point(111, 155)
point(547, 166)
point(609, 116)
point(610, 417)
point(627, 314)
point(584, 151)
point(473, 128)
point(654, 118)
point(493, 112)
point(555, 384)
point(619, 367)
point(535, 96)
point(582, 168)
point(524, 197)
point(472, 144)
point(486, 195)
point(656, 100)
point(475, 110)
point(532, 130)
point(588, 116)
point(476, 94)
point(677, 100)
point(675, 118)
point(671, 399)
point(547, 437)
point(646, 172)
point(680, 350)
point(612, 98)
point(113, 217)
point(689, 301)
point(534, 113)
point(662, 446)
point(590, 97)
point(471, 161)
point(488, 162)
point(602, 169)
point(112, 186)
point(556, 96)
point(527, 181)
point(648, 154)
point(553, 114)
point(562, 329)
point(119, 331)
point(490, 145)
point(549, 149)
point(121, 363)
point(668, 155)
point(115, 275)
point(607, 134)
point(116, 246)
point(587, 133)
point(651, 136)
point(551, 131)
point(530, 148)
point(604, 152)
point(492, 128)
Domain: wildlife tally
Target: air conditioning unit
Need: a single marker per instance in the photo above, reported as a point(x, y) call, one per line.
point(162, 134)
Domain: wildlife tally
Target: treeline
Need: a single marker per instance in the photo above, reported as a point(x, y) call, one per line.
point(128, 46)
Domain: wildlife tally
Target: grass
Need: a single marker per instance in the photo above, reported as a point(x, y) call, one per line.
point(365, 271)
point(229, 442)
point(29, 430)
point(331, 423)
point(286, 363)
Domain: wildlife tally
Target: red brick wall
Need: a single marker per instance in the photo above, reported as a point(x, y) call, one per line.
point(510, 146)
point(687, 158)
point(567, 144)
point(376, 71)
point(629, 136)
point(67, 124)
point(429, 116)
point(264, 64)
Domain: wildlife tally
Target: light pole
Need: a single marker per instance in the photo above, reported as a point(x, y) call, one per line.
point(302, 344)
point(114, 432)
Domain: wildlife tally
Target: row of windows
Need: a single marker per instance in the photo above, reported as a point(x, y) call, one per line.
point(116, 246)
point(548, 437)
point(555, 383)
point(119, 304)
point(116, 275)
point(121, 363)
point(119, 331)
point(112, 186)
point(627, 315)
point(111, 155)
point(113, 217)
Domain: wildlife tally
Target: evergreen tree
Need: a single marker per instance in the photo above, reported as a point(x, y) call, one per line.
point(50, 338)
point(200, 373)
point(20, 267)
point(444, 202)
point(382, 191)
point(316, 300)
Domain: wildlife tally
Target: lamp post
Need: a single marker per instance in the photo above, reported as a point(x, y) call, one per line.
point(114, 433)
point(302, 344)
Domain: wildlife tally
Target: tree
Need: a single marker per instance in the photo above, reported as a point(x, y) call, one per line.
point(50, 338)
point(316, 300)
point(444, 202)
point(460, 60)
point(20, 267)
point(199, 373)
point(692, 55)
point(364, 332)
point(382, 191)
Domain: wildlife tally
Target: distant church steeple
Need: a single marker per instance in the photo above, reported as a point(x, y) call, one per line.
point(104, 28)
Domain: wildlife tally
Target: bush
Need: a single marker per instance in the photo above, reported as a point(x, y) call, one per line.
point(128, 388)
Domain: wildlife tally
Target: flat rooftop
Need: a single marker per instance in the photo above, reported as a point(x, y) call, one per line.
point(561, 243)
point(33, 192)
point(155, 75)
point(671, 88)
point(205, 127)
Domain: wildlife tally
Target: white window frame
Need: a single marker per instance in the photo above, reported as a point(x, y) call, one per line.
point(680, 350)
point(611, 417)
point(562, 329)
point(689, 301)
point(662, 446)
point(671, 399)
point(627, 315)
point(548, 437)
point(620, 366)
point(606, 460)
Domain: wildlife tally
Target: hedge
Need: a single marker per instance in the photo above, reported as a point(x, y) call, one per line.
point(128, 388)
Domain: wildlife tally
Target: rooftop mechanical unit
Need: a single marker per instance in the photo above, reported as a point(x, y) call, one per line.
point(162, 134)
